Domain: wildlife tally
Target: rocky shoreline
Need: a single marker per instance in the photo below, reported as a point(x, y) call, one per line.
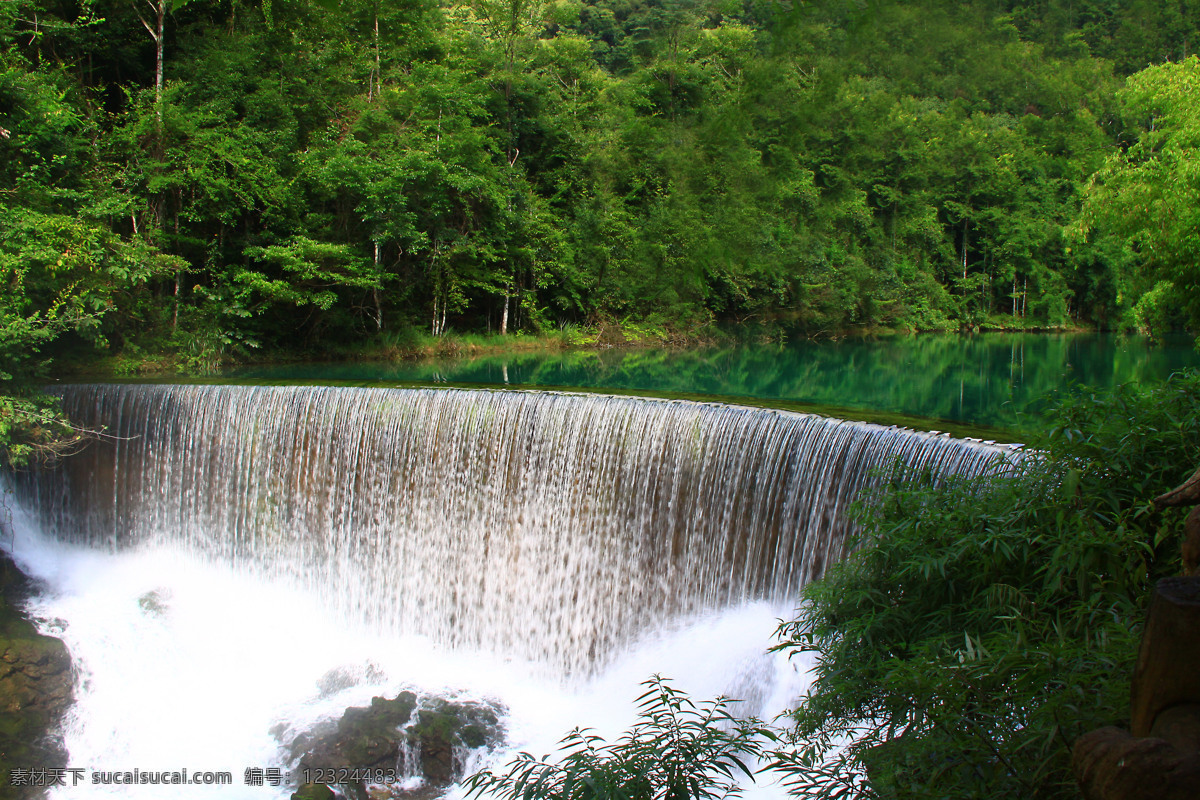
point(36, 686)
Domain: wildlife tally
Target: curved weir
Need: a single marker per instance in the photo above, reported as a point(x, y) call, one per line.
point(549, 526)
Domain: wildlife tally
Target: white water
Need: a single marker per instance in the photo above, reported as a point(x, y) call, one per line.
point(234, 544)
point(200, 681)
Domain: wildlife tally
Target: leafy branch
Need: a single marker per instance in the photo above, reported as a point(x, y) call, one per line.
point(677, 750)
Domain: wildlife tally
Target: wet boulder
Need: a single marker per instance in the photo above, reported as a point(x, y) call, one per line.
point(444, 733)
point(402, 747)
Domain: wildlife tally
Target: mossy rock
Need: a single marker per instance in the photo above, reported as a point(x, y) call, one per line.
point(313, 791)
point(36, 686)
point(368, 736)
point(443, 727)
point(154, 602)
point(372, 737)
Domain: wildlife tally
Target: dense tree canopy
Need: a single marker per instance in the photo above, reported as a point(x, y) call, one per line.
point(1150, 191)
point(212, 176)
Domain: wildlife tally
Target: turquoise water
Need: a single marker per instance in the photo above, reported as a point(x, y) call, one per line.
point(987, 379)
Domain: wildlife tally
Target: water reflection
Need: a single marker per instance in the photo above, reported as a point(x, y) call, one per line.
point(990, 379)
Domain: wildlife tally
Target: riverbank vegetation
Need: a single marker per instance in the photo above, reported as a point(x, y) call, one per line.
point(984, 625)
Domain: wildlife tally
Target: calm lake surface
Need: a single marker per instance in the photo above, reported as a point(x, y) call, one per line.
point(996, 380)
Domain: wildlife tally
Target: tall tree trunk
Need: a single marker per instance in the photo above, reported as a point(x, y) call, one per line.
point(158, 61)
point(375, 293)
point(504, 314)
point(373, 78)
point(156, 33)
point(964, 249)
point(178, 272)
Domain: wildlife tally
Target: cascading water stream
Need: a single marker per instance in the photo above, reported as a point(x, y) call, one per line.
point(549, 526)
point(552, 530)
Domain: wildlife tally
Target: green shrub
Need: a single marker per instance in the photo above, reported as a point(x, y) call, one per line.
point(984, 624)
point(677, 750)
point(34, 430)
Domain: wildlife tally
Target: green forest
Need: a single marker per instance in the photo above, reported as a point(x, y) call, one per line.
point(215, 178)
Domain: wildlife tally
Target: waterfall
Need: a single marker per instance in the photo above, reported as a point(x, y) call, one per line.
point(548, 526)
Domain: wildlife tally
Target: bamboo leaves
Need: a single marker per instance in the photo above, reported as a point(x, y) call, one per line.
point(677, 750)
